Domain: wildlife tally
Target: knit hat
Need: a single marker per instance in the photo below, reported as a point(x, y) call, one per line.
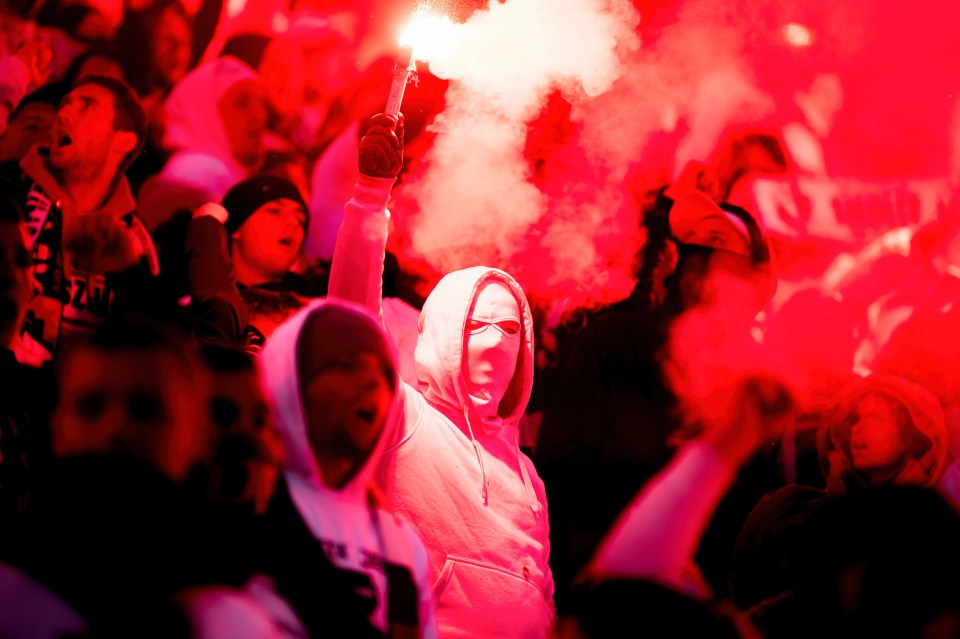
point(246, 197)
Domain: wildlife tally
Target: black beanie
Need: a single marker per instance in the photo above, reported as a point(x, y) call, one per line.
point(246, 197)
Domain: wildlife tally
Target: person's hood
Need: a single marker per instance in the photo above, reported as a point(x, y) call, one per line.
point(281, 379)
point(135, 38)
point(119, 202)
point(922, 466)
point(193, 119)
point(439, 354)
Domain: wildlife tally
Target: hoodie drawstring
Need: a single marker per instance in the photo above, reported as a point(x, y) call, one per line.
point(527, 484)
point(476, 449)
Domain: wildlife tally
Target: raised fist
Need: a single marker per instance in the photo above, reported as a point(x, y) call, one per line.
point(214, 210)
point(101, 244)
point(761, 408)
point(381, 148)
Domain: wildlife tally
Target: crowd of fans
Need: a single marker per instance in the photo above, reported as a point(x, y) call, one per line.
point(225, 411)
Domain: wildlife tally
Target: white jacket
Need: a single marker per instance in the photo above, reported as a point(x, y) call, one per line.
point(475, 498)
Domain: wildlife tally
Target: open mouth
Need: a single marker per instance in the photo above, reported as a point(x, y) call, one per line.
point(63, 140)
point(366, 414)
point(286, 241)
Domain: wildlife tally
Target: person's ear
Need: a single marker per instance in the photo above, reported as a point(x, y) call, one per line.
point(125, 141)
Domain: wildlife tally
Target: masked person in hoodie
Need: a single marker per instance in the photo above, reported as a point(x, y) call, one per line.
point(454, 467)
point(332, 380)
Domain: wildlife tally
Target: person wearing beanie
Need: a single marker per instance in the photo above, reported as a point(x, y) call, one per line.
point(266, 225)
point(251, 240)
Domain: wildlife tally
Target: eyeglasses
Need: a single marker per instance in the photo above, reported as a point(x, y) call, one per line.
point(143, 408)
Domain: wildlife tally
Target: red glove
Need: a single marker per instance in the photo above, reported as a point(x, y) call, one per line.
point(381, 148)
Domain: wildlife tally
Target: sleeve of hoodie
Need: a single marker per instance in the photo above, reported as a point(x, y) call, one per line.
point(356, 273)
point(657, 536)
point(219, 312)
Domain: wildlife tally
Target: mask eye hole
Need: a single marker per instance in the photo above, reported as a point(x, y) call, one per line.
point(474, 325)
point(510, 327)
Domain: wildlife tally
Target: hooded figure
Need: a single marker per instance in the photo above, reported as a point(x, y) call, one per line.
point(454, 467)
point(485, 524)
point(332, 379)
point(882, 430)
point(216, 117)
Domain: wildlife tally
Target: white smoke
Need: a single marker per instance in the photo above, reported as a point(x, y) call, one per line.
point(476, 201)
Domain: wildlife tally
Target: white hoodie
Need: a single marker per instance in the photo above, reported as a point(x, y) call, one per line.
point(202, 168)
point(474, 497)
point(355, 535)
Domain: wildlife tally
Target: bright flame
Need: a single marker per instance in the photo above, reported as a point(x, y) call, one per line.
point(433, 36)
point(234, 7)
point(797, 35)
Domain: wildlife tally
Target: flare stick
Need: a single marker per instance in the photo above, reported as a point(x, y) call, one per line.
point(401, 73)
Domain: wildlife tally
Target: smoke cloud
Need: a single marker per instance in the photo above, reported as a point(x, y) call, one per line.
point(477, 201)
point(874, 82)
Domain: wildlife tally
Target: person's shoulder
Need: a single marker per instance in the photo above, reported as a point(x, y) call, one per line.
point(10, 167)
point(644, 317)
point(619, 334)
point(395, 527)
point(11, 174)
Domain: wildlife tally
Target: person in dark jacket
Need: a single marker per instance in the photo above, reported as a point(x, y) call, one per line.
point(86, 239)
point(250, 241)
point(26, 392)
point(613, 414)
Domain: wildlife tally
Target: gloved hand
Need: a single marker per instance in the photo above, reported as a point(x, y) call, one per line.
point(381, 148)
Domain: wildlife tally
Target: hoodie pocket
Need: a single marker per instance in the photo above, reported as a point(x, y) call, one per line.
point(480, 600)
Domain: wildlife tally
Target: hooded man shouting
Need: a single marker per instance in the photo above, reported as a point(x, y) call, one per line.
point(332, 379)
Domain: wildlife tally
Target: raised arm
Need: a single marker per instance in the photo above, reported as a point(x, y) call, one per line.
point(357, 270)
point(657, 536)
point(219, 312)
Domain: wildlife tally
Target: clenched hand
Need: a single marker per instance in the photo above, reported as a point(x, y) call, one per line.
point(381, 148)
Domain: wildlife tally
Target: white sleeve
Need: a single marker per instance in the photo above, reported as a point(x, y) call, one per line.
point(657, 535)
point(356, 273)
